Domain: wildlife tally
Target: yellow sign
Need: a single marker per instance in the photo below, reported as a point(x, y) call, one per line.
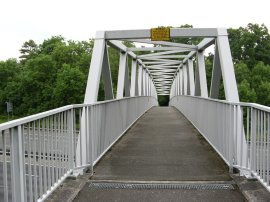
point(160, 34)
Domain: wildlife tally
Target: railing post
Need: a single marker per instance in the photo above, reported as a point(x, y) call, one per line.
point(17, 165)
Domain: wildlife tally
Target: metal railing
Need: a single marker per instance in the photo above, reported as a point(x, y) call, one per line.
point(239, 132)
point(38, 152)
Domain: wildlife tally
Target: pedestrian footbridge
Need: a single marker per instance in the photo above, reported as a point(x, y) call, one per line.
point(135, 150)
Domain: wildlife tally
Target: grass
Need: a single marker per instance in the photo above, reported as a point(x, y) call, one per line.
point(4, 118)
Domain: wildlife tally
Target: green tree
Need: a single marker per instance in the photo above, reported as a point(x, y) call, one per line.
point(29, 48)
point(8, 70)
point(31, 91)
point(246, 93)
point(70, 86)
point(263, 93)
point(250, 44)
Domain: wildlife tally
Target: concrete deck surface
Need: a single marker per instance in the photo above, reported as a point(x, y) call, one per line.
point(161, 146)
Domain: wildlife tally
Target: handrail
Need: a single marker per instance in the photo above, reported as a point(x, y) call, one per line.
point(245, 104)
point(40, 115)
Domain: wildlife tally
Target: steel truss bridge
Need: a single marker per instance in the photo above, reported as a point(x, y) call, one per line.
point(38, 152)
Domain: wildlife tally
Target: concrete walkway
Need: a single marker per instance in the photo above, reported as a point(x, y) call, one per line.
point(162, 147)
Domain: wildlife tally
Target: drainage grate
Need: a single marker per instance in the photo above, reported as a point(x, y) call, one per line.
point(160, 186)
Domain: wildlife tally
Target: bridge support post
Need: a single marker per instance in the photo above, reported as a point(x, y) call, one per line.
point(134, 80)
point(226, 64)
point(190, 72)
point(185, 77)
point(106, 74)
point(97, 60)
point(216, 75)
point(140, 80)
point(181, 82)
point(122, 76)
point(200, 83)
point(17, 165)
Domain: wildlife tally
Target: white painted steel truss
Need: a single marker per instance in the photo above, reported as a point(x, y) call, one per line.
point(165, 68)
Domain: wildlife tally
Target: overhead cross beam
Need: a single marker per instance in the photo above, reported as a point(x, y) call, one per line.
point(166, 65)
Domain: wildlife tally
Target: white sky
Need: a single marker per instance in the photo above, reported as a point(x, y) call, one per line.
point(21, 20)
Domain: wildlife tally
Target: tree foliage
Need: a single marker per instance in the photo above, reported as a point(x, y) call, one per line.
point(49, 75)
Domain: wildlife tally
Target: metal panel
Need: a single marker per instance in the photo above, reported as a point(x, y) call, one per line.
point(174, 32)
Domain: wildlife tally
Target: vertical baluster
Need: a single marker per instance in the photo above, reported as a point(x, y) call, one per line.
point(55, 126)
point(74, 142)
point(35, 161)
point(71, 137)
point(252, 128)
point(264, 146)
point(54, 160)
point(19, 192)
point(40, 159)
point(257, 143)
point(248, 137)
point(5, 173)
point(261, 145)
point(268, 149)
point(65, 141)
point(44, 155)
point(29, 162)
point(58, 147)
point(61, 145)
point(49, 134)
point(80, 137)
point(241, 125)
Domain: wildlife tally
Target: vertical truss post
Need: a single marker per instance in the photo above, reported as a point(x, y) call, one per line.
point(133, 77)
point(216, 75)
point(185, 77)
point(173, 88)
point(201, 84)
point(147, 81)
point(176, 84)
point(92, 87)
point(98, 61)
point(190, 72)
point(121, 75)
point(140, 79)
point(106, 74)
point(149, 85)
point(127, 81)
point(144, 82)
point(225, 57)
point(181, 81)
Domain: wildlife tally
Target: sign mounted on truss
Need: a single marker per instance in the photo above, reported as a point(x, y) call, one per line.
point(160, 34)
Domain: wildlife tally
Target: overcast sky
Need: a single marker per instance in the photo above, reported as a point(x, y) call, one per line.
point(21, 20)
